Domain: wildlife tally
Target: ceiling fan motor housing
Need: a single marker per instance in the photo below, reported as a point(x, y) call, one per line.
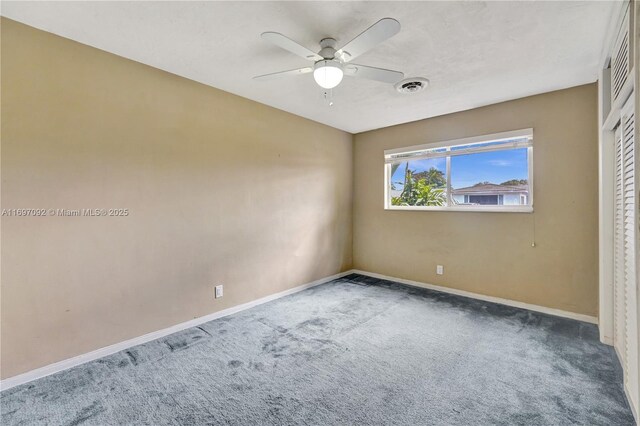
point(328, 46)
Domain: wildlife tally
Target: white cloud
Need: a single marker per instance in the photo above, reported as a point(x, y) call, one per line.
point(500, 163)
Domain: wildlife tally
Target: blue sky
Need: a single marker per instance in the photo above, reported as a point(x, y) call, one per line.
point(467, 170)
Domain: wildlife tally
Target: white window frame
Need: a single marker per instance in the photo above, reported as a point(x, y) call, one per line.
point(400, 155)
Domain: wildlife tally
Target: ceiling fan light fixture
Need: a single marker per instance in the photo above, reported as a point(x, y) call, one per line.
point(328, 74)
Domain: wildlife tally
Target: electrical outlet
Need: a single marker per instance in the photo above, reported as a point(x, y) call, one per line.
point(218, 291)
point(439, 269)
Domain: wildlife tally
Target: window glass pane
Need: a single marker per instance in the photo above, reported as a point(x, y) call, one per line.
point(490, 178)
point(419, 183)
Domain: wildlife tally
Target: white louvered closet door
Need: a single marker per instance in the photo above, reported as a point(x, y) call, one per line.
point(620, 63)
point(625, 321)
point(625, 227)
point(629, 201)
point(618, 279)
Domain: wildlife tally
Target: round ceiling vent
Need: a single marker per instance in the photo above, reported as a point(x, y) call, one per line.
point(412, 85)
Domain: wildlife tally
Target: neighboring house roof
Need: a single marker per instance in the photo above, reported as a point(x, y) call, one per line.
point(492, 188)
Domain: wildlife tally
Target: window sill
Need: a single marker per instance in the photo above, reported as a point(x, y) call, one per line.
point(488, 209)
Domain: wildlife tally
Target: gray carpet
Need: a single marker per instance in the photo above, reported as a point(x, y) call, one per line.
point(356, 351)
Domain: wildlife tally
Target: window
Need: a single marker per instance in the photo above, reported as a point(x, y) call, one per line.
point(485, 173)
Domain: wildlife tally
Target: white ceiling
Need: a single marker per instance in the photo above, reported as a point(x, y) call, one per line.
point(474, 53)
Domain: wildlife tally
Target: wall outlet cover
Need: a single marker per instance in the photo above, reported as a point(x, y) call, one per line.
point(218, 291)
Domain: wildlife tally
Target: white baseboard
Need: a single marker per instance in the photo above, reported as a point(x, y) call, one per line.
point(515, 304)
point(47, 370)
point(117, 347)
point(606, 340)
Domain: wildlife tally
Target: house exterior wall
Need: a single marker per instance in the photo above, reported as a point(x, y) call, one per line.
point(507, 199)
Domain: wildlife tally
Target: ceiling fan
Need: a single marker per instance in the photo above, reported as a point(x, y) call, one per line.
point(331, 64)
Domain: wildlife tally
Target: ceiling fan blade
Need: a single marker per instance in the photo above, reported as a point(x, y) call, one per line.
point(375, 34)
point(373, 73)
point(287, 44)
point(275, 75)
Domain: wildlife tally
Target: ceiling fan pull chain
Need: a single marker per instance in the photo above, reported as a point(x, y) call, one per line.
point(327, 94)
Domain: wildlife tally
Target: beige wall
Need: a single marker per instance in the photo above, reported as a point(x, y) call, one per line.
point(491, 253)
point(220, 189)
